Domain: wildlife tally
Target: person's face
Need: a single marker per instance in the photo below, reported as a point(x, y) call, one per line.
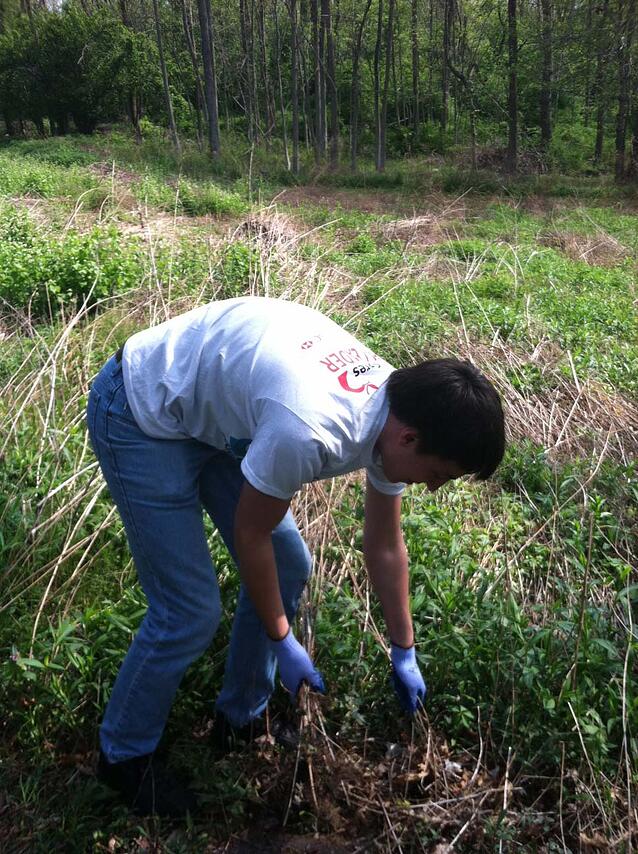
point(402, 463)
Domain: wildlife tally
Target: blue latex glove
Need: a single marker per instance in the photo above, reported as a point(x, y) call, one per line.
point(295, 665)
point(406, 678)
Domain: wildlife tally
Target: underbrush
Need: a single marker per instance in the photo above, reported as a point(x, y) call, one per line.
point(522, 594)
point(193, 199)
point(41, 177)
point(42, 273)
point(519, 296)
point(524, 589)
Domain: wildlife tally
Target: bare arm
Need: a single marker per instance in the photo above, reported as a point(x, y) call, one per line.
point(256, 517)
point(387, 562)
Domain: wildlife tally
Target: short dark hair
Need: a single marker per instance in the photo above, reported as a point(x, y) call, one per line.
point(456, 411)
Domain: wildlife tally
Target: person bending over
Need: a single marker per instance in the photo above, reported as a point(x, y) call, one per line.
point(231, 408)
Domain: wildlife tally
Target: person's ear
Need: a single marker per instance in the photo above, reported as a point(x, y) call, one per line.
point(409, 436)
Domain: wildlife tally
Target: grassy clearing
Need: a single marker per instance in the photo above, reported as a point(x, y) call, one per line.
point(524, 590)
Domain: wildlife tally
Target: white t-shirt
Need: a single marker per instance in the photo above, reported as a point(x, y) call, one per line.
point(274, 383)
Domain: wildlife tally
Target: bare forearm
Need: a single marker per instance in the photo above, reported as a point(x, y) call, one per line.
point(388, 571)
point(258, 571)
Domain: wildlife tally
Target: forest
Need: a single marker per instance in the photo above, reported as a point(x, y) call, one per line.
point(531, 86)
point(442, 178)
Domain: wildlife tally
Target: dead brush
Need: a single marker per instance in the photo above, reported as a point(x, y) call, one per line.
point(601, 249)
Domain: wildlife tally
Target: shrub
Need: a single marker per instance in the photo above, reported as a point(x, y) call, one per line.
point(43, 272)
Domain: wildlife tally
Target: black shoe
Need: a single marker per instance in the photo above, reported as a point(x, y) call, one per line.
point(285, 731)
point(147, 786)
point(228, 739)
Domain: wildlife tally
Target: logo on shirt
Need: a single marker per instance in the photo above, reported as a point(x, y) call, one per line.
point(310, 342)
point(350, 365)
point(345, 385)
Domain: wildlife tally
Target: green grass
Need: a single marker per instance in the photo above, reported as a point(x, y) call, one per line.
point(522, 295)
point(22, 176)
point(522, 588)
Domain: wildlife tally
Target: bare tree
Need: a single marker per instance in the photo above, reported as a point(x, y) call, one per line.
point(284, 131)
point(389, 34)
point(627, 23)
point(210, 75)
point(512, 97)
point(448, 23)
point(294, 83)
point(377, 81)
point(200, 102)
point(602, 48)
point(167, 92)
point(319, 83)
point(269, 108)
point(355, 87)
point(331, 82)
point(414, 37)
point(545, 100)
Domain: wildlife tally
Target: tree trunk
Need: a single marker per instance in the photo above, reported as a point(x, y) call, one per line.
point(448, 20)
point(431, 54)
point(414, 35)
point(294, 84)
point(546, 74)
point(377, 84)
point(512, 98)
point(270, 109)
point(132, 105)
point(190, 43)
point(355, 88)
point(588, 56)
point(331, 83)
point(625, 28)
point(633, 163)
point(252, 65)
point(305, 86)
point(210, 76)
point(627, 25)
point(167, 92)
point(386, 85)
point(599, 82)
point(317, 56)
point(282, 104)
point(132, 99)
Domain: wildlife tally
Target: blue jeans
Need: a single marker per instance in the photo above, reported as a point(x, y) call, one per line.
point(161, 488)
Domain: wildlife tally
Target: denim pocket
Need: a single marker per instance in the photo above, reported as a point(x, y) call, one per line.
point(119, 408)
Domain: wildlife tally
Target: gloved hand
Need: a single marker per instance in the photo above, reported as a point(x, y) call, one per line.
point(406, 678)
point(295, 665)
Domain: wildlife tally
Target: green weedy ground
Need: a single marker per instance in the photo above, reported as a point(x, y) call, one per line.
point(524, 589)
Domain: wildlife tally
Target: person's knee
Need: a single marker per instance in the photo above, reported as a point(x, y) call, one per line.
point(199, 624)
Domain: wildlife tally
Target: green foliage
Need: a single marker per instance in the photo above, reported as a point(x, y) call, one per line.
point(42, 273)
point(20, 176)
point(485, 653)
point(521, 295)
point(59, 151)
point(189, 197)
point(572, 148)
point(71, 63)
point(69, 671)
point(239, 266)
